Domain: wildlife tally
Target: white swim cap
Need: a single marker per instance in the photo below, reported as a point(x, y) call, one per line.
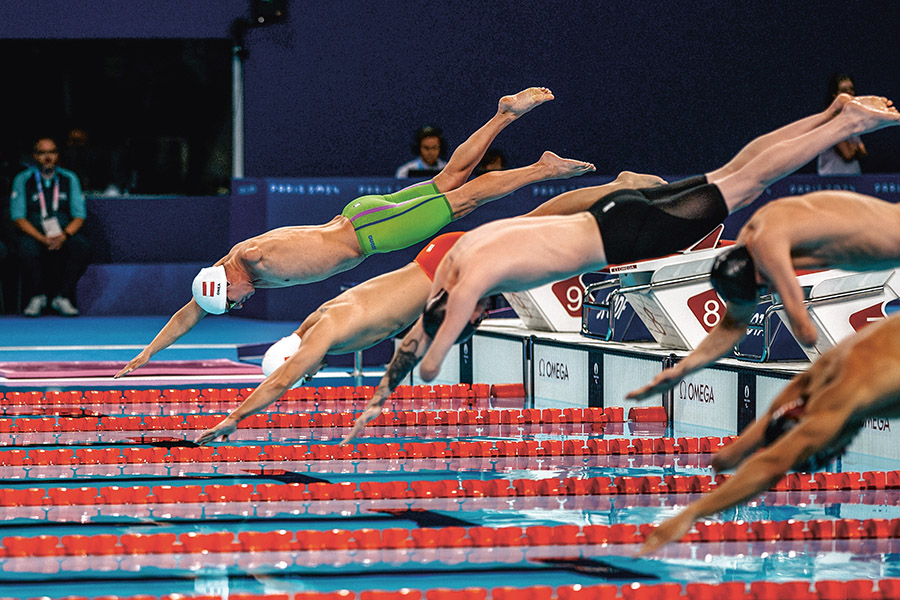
point(278, 353)
point(210, 290)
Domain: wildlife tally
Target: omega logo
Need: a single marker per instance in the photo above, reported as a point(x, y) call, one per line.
point(877, 424)
point(697, 392)
point(553, 370)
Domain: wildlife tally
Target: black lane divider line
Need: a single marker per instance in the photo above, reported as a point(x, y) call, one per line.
point(287, 476)
point(425, 518)
point(594, 568)
point(164, 442)
point(609, 573)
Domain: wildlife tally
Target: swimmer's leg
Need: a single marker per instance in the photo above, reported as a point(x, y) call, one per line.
point(467, 156)
point(782, 134)
point(382, 226)
point(497, 184)
point(416, 190)
point(574, 201)
point(857, 117)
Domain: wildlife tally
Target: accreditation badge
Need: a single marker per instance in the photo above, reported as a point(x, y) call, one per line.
point(51, 227)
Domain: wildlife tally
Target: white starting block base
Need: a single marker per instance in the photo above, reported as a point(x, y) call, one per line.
point(843, 302)
point(569, 370)
point(552, 307)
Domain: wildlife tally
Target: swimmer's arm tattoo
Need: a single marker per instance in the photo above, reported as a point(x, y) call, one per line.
point(402, 363)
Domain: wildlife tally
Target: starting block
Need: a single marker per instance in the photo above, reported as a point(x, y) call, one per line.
point(605, 314)
point(552, 307)
point(672, 296)
point(841, 303)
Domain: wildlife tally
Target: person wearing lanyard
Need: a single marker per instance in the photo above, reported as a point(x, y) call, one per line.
point(47, 206)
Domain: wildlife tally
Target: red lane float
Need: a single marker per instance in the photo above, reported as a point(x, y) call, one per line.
point(400, 418)
point(424, 538)
point(407, 450)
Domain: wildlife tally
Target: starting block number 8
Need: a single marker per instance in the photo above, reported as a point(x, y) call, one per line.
point(711, 315)
point(707, 308)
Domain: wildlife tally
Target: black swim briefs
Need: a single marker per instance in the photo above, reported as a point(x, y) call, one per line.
point(653, 222)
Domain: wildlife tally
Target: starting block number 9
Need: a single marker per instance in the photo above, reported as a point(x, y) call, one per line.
point(573, 295)
point(707, 308)
point(570, 294)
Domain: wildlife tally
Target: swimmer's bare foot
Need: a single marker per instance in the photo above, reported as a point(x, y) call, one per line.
point(875, 100)
point(632, 180)
point(563, 168)
point(871, 113)
point(519, 104)
point(838, 103)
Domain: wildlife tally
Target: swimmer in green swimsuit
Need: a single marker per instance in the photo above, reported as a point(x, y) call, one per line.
point(371, 224)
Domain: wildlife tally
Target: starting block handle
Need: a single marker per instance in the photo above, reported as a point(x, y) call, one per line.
point(589, 301)
point(612, 318)
point(769, 335)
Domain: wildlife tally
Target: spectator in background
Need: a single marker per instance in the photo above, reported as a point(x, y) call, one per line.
point(493, 160)
point(47, 207)
point(842, 159)
point(428, 146)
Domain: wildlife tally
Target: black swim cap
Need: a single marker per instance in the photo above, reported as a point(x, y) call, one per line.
point(785, 419)
point(733, 276)
point(434, 314)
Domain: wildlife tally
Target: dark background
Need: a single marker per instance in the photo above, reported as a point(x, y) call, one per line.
point(338, 89)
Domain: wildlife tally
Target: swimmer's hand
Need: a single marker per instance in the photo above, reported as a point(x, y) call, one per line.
point(371, 412)
point(138, 361)
point(223, 430)
point(727, 458)
point(664, 381)
point(672, 530)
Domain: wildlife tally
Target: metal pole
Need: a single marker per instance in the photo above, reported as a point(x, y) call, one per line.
point(237, 115)
point(668, 400)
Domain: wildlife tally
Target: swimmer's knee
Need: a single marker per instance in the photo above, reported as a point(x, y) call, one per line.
point(447, 182)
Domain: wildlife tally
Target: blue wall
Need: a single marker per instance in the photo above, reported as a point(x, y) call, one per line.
point(667, 87)
point(662, 87)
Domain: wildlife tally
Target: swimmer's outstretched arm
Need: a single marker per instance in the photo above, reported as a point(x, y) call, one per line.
point(305, 362)
point(405, 359)
point(462, 302)
point(773, 261)
point(759, 473)
point(723, 337)
point(180, 323)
